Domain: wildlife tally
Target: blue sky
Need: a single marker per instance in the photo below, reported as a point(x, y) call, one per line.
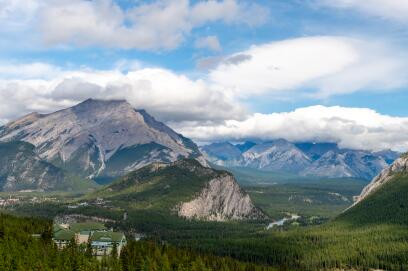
point(201, 66)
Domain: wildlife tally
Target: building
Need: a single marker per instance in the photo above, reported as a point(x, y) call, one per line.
point(102, 239)
point(62, 236)
point(103, 242)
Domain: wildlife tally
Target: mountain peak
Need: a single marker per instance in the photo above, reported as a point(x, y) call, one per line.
point(101, 138)
point(92, 104)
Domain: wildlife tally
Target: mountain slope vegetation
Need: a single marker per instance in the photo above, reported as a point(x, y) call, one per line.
point(184, 187)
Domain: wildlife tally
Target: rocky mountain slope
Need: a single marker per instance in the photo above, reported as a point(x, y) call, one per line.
point(306, 159)
point(278, 155)
point(185, 188)
point(384, 200)
point(22, 169)
point(346, 164)
point(399, 166)
point(100, 138)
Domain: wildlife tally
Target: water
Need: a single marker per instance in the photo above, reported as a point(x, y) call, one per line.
point(282, 221)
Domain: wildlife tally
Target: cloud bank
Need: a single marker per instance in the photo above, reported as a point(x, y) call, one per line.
point(357, 128)
point(165, 94)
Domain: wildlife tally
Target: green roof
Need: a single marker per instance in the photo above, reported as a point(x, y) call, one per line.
point(90, 226)
point(108, 236)
point(56, 227)
point(64, 235)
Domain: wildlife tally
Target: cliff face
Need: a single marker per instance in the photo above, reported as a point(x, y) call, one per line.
point(399, 166)
point(221, 199)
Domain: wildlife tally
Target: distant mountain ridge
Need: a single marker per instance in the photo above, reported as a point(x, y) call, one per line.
point(305, 159)
point(100, 138)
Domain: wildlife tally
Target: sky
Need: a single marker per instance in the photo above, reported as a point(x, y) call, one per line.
point(303, 70)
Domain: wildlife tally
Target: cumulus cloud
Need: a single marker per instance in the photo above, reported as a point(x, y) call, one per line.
point(165, 94)
point(387, 9)
point(160, 24)
point(327, 65)
point(210, 42)
point(358, 128)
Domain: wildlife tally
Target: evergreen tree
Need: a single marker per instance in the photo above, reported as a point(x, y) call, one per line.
point(89, 250)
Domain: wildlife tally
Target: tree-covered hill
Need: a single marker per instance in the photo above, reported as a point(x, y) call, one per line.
point(388, 205)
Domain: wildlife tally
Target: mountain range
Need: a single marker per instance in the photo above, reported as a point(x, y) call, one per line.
point(96, 139)
point(304, 159)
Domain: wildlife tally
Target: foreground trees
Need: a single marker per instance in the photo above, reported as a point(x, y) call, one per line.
point(21, 248)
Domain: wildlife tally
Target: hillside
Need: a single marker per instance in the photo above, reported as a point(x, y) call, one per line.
point(185, 188)
point(384, 200)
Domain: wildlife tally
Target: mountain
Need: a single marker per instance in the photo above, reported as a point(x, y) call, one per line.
point(99, 138)
point(278, 155)
point(22, 169)
point(316, 150)
point(305, 159)
point(398, 168)
point(245, 146)
point(346, 164)
point(384, 200)
point(222, 153)
point(185, 188)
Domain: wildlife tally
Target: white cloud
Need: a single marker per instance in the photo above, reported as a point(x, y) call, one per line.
point(160, 24)
point(210, 42)
point(325, 65)
point(388, 9)
point(16, 15)
point(358, 128)
point(165, 94)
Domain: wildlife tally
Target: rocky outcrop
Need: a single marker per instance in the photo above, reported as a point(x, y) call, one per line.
point(399, 166)
point(100, 138)
point(222, 199)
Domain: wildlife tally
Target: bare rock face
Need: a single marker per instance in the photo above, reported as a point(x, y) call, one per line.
point(399, 166)
point(222, 199)
point(98, 137)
